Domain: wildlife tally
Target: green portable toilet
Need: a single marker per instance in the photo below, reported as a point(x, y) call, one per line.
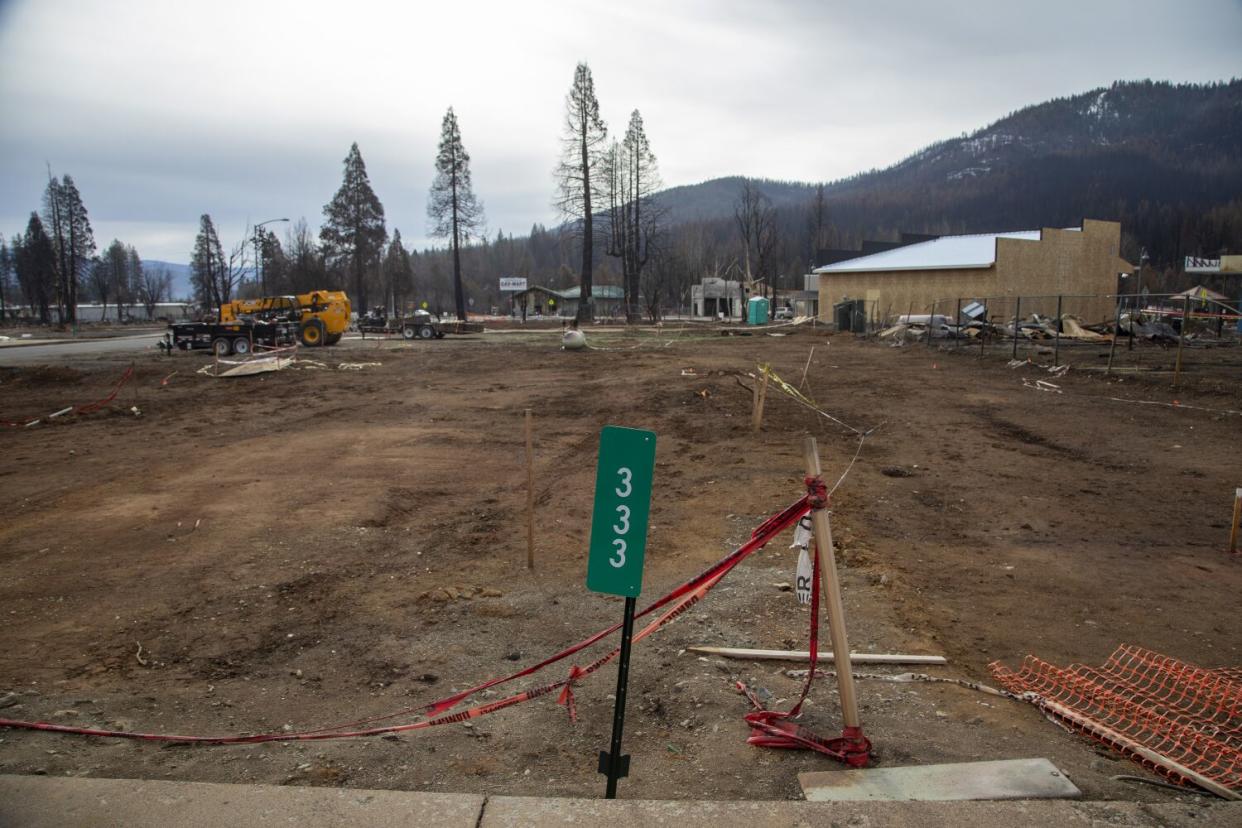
point(757, 311)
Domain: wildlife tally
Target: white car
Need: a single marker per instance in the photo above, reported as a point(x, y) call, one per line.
point(783, 313)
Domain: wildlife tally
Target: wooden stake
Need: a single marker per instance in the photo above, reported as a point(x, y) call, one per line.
point(822, 529)
point(530, 493)
point(1237, 518)
point(1181, 338)
point(806, 367)
point(761, 396)
point(754, 406)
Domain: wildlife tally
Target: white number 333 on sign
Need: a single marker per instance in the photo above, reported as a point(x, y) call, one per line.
point(625, 488)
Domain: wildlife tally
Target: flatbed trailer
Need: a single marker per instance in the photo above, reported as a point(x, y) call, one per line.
point(419, 325)
point(458, 327)
point(236, 337)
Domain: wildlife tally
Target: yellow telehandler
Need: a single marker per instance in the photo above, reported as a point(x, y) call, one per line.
point(323, 314)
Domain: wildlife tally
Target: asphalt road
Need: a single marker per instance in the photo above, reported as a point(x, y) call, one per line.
point(69, 351)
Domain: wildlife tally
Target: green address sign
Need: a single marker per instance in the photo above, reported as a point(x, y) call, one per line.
point(622, 505)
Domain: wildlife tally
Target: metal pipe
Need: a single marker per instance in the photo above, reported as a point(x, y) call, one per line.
point(1017, 311)
point(1112, 347)
point(1056, 345)
point(957, 320)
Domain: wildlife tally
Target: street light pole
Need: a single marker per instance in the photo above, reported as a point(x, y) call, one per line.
point(258, 255)
point(1138, 281)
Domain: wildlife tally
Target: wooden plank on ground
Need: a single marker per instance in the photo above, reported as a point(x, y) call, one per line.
point(804, 655)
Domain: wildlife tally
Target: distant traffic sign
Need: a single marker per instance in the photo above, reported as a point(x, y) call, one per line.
point(513, 283)
point(622, 506)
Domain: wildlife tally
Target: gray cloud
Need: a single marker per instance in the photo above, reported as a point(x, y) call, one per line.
point(163, 111)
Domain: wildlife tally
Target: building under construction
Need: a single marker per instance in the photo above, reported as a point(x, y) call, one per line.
point(1039, 264)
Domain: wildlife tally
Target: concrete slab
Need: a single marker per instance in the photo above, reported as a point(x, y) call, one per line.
point(1000, 779)
point(44, 802)
point(519, 812)
point(41, 801)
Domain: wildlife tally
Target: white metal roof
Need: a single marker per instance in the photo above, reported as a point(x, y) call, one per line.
point(938, 254)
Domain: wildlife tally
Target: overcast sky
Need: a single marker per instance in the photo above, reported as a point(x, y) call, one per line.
point(164, 110)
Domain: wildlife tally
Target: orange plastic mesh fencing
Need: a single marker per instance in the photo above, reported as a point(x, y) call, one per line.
point(1188, 715)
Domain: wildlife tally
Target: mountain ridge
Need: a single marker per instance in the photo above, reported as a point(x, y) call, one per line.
point(1102, 153)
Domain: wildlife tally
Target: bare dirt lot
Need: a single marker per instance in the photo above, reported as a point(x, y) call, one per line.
point(309, 547)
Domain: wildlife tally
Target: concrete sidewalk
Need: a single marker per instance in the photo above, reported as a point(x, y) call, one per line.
point(41, 801)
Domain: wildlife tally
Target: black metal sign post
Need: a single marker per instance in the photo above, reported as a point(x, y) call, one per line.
point(612, 762)
point(615, 564)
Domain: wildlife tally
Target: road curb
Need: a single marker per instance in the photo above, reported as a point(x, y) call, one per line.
point(43, 801)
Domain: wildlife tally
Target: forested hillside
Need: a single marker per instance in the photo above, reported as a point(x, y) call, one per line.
point(1165, 160)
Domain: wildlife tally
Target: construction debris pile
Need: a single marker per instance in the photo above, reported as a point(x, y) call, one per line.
point(916, 327)
point(919, 327)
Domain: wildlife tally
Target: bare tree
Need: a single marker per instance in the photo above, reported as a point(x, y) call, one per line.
point(129, 292)
point(766, 243)
point(455, 212)
point(817, 223)
point(99, 281)
point(578, 184)
point(154, 286)
point(756, 224)
point(661, 280)
point(238, 264)
point(634, 216)
point(304, 260)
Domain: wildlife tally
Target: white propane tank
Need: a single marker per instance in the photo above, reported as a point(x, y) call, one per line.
point(573, 340)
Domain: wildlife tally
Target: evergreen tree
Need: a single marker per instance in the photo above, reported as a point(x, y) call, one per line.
point(116, 267)
point(398, 271)
point(6, 285)
point(210, 274)
point(54, 223)
point(72, 239)
point(273, 264)
point(353, 234)
point(34, 259)
point(578, 185)
point(632, 179)
point(455, 212)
